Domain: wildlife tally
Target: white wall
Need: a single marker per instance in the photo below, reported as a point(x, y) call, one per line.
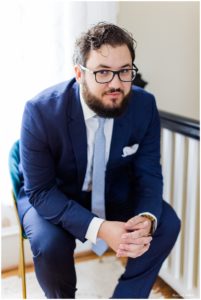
point(167, 35)
point(37, 41)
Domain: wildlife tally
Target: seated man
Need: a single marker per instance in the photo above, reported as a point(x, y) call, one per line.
point(90, 154)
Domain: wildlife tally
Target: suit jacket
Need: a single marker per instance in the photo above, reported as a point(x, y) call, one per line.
point(53, 151)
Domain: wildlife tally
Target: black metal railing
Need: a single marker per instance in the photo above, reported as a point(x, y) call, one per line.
point(183, 125)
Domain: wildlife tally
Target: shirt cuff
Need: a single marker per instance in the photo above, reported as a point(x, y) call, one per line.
point(93, 229)
point(151, 215)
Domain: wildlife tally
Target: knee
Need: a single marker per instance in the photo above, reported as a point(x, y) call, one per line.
point(53, 247)
point(174, 226)
point(54, 263)
point(55, 250)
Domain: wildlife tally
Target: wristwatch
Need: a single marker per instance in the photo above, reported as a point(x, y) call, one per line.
point(153, 222)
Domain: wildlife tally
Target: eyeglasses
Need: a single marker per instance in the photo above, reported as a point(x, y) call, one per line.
point(105, 76)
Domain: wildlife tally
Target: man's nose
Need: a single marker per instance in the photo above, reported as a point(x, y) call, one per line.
point(116, 82)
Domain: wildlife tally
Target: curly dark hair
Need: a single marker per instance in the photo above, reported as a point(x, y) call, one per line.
point(98, 35)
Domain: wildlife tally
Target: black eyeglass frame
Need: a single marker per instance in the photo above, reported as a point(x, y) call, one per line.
point(114, 73)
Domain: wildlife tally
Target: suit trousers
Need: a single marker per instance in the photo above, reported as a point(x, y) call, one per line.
point(53, 250)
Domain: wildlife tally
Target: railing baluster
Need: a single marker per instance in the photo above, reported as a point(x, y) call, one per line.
point(190, 225)
point(166, 156)
point(178, 194)
point(167, 163)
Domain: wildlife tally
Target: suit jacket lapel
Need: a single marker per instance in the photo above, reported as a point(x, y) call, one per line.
point(78, 134)
point(120, 138)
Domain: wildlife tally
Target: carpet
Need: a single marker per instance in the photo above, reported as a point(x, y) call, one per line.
point(96, 279)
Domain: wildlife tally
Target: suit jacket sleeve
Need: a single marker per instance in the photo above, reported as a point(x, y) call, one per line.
point(147, 168)
point(40, 180)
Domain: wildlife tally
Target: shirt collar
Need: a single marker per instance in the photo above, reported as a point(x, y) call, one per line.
point(87, 111)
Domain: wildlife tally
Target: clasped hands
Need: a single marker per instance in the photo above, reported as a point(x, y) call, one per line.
point(130, 239)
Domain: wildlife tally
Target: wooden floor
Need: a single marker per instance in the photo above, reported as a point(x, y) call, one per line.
point(159, 285)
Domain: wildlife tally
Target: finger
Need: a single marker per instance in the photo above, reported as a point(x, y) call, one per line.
point(134, 221)
point(146, 248)
point(130, 236)
point(143, 224)
point(131, 247)
point(140, 253)
point(137, 241)
point(132, 254)
point(143, 241)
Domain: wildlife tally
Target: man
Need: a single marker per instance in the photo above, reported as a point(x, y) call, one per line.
point(90, 151)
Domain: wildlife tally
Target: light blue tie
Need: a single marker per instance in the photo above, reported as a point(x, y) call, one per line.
point(98, 182)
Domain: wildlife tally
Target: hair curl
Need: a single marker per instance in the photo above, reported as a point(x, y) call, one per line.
point(98, 35)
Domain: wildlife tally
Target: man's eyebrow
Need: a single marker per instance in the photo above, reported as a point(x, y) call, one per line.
point(108, 67)
point(127, 65)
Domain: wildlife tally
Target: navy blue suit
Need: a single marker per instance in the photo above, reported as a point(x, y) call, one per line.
point(53, 151)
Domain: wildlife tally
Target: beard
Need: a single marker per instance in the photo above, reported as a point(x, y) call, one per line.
point(102, 110)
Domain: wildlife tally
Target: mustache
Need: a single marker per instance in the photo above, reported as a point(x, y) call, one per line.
point(113, 90)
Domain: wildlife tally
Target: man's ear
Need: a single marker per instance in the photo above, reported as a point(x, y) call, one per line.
point(78, 73)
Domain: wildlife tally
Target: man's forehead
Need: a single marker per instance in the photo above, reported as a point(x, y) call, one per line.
point(108, 55)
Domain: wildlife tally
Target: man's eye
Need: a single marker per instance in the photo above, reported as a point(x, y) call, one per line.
point(124, 71)
point(103, 72)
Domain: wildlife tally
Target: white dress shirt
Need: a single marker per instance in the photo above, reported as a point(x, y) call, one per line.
point(91, 126)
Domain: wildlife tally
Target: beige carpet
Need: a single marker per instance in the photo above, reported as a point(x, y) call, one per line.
point(95, 280)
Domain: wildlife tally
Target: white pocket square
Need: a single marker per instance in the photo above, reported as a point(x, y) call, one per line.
point(130, 150)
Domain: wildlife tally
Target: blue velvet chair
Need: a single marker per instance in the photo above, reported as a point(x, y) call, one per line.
point(16, 179)
point(14, 159)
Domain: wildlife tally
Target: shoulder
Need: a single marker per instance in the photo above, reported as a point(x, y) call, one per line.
point(54, 94)
point(140, 94)
point(142, 107)
point(47, 111)
point(142, 101)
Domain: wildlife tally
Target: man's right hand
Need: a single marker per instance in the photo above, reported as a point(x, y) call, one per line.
point(111, 232)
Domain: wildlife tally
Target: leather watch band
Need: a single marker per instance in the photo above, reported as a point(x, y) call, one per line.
point(153, 221)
